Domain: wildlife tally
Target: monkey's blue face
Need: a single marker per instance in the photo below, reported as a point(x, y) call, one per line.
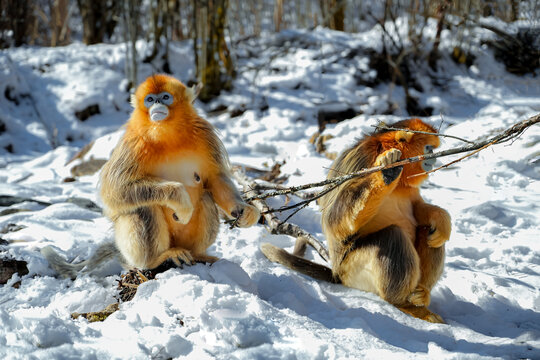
point(427, 164)
point(158, 105)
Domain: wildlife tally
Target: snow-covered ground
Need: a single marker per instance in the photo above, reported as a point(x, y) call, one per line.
point(243, 306)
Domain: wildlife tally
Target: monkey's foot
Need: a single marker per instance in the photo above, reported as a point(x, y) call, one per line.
point(420, 296)
point(177, 255)
point(203, 258)
point(423, 313)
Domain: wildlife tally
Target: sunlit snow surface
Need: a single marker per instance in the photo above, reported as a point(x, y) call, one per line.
point(243, 306)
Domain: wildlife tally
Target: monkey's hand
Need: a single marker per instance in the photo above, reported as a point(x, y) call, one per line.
point(440, 227)
point(246, 215)
point(179, 201)
point(386, 158)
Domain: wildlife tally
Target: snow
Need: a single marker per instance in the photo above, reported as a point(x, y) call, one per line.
point(243, 306)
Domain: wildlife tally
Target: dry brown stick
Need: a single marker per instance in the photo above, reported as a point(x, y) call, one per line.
point(504, 136)
point(302, 204)
point(452, 162)
point(277, 226)
point(303, 238)
point(263, 185)
point(383, 127)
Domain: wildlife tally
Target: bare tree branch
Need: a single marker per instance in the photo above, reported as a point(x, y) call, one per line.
point(303, 238)
point(511, 133)
point(452, 162)
point(382, 127)
point(277, 226)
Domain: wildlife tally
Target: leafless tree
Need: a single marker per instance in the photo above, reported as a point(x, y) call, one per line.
point(16, 22)
point(130, 16)
point(214, 63)
point(99, 19)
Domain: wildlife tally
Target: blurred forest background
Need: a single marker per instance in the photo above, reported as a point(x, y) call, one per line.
point(216, 27)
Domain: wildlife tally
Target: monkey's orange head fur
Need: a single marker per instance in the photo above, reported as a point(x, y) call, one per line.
point(411, 144)
point(174, 120)
point(159, 83)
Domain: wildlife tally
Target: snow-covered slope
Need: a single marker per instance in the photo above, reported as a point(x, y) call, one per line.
point(243, 306)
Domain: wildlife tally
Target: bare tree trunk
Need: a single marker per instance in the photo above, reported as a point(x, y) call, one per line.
point(442, 8)
point(338, 17)
point(514, 10)
point(175, 8)
point(130, 17)
point(99, 19)
point(93, 16)
point(161, 18)
point(256, 9)
point(60, 13)
point(333, 13)
point(17, 22)
point(214, 63)
point(278, 14)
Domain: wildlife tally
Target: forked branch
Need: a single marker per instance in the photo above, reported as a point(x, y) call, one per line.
point(509, 134)
point(277, 226)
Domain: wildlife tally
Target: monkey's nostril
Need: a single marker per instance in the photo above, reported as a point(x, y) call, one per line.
point(197, 177)
point(175, 217)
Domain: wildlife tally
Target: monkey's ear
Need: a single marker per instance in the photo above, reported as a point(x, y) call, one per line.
point(403, 135)
point(133, 100)
point(193, 92)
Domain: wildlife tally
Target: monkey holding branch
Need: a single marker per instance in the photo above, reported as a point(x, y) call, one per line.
point(382, 236)
point(164, 185)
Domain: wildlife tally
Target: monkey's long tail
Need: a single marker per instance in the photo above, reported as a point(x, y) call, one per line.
point(306, 267)
point(104, 253)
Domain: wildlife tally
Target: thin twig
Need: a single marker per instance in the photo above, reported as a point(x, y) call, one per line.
point(382, 127)
point(304, 203)
point(507, 135)
point(260, 185)
point(277, 226)
point(451, 162)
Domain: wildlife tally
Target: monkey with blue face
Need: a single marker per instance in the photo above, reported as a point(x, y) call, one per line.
point(382, 236)
point(165, 185)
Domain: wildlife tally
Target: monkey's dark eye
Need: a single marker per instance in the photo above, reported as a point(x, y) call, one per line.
point(149, 100)
point(165, 98)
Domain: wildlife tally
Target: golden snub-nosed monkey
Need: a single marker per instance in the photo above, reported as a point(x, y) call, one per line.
point(165, 184)
point(382, 236)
